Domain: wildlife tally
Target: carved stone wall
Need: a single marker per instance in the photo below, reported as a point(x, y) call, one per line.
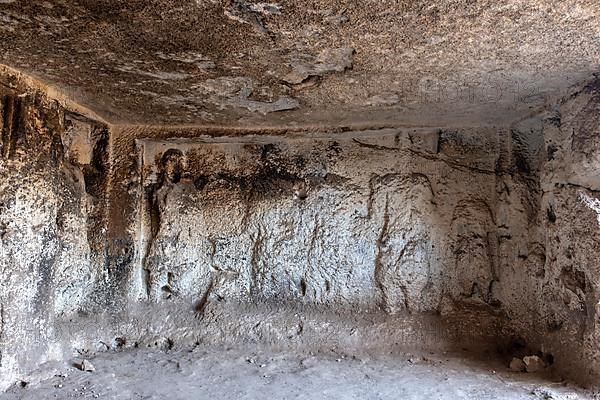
point(124, 236)
point(366, 219)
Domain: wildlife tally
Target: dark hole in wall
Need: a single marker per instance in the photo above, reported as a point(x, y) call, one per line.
point(551, 214)
point(95, 173)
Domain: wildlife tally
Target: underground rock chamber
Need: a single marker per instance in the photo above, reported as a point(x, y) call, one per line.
point(335, 199)
point(445, 242)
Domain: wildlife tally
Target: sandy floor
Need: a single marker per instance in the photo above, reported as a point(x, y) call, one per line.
point(204, 373)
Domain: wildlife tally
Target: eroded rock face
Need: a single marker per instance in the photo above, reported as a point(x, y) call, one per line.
point(142, 236)
point(569, 219)
point(44, 218)
point(366, 220)
point(327, 62)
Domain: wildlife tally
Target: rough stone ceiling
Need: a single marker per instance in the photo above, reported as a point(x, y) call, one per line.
point(249, 63)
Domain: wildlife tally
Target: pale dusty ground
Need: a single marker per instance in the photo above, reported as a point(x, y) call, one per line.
point(205, 373)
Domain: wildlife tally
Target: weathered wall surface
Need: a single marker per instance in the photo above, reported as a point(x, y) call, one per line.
point(356, 221)
point(561, 157)
point(46, 209)
point(498, 220)
point(368, 238)
point(548, 233)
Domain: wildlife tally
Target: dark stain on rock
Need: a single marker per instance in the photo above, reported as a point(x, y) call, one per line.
point(11, 118)
point(267, 182)
point(551, 151)
point(551, 214)
point(95, 173)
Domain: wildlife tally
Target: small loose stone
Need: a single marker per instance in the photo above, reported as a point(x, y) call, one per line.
point(87, 366)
